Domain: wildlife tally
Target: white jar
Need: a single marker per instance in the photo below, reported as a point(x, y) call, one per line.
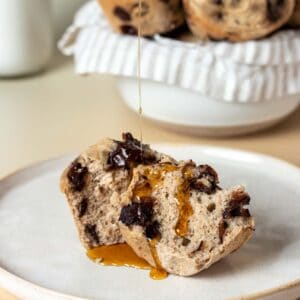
point(26, 36)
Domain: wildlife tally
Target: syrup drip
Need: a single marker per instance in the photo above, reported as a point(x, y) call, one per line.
point(122, 255)
point(159, 272)
point(154, 178)
point(185, 208)
point(140, 109)
point(117, 255)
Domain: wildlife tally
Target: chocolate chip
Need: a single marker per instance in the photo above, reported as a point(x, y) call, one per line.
point(236, 212)
point(152, 230)
point(222, 228)
point(208, 172)
point(137, 213)
point(211, 207)
point(185, 241)
point(76, 175)
point(206, 180)
point(200, 247)
point(218, 16)
point(230, 212)
point(177, 32)
point(235, 206)
point(82, 207)
point(121, 13)
point(245, 213)
point(91, 232)
point(201, 186)
point(128, 29)
point(129, 153)
point(240, 198)
point(274, 10)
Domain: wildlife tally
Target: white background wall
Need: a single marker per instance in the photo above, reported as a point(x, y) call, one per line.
point(64, 11)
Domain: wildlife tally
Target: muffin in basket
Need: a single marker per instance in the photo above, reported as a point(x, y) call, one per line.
point(156, 16)
point(237, 20)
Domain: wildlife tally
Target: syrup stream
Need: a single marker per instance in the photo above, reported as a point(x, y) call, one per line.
point(140, 109)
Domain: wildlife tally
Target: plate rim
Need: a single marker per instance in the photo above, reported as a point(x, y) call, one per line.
point(13, 280)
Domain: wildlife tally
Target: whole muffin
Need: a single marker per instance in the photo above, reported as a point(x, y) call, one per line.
point(236, 20)
point(157, 16)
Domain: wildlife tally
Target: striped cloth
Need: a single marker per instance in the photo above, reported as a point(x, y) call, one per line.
point(252, 71)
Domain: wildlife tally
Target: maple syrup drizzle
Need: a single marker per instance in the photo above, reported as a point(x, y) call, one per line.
point(117, 255)
point(154, 178)
point(158, 272)
point(185, 207)
point(140, 109)
point(122, 254)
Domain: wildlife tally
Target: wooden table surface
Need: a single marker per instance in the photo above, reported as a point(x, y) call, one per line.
point(57, 112)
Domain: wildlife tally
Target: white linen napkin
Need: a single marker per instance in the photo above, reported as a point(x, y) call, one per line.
point(253, 71)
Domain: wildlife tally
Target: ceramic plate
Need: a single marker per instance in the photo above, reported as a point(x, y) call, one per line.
point(40, 248)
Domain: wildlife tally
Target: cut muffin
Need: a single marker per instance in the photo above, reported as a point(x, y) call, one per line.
point(94, 182)
point(178, 219)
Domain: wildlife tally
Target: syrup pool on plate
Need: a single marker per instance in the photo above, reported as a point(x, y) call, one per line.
point(123, 255)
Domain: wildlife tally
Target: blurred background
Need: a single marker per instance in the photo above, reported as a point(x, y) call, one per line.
point(57, 111)
point(63, 12)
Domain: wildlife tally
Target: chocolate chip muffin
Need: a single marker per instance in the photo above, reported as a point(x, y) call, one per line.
point(94, 182)
point(157, 16)
point(237, 20)
point(294, 21)
point(178, 218)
